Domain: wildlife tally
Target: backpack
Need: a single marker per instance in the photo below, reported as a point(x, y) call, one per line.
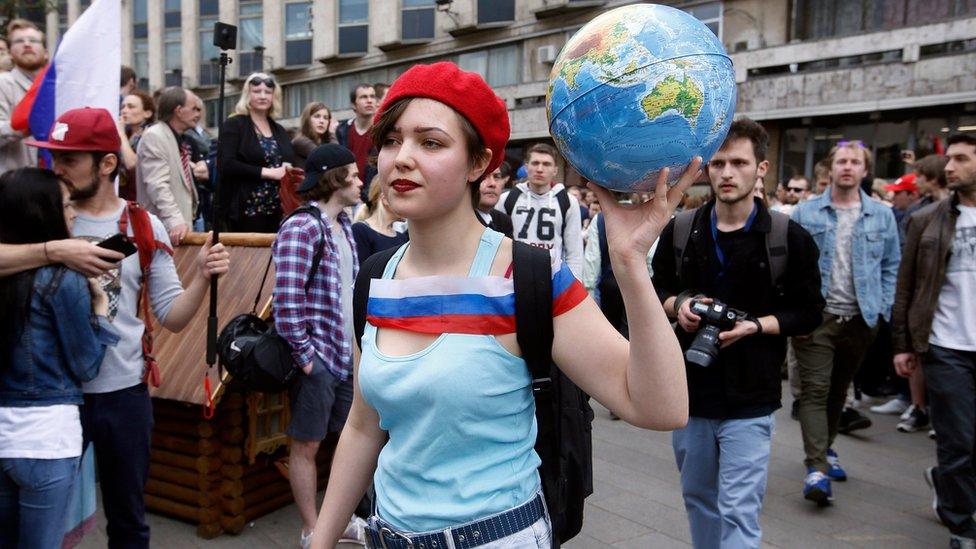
point(250, 348)
point(146, 244)
point(563, 412)
point(777, 249)
point(562, 198)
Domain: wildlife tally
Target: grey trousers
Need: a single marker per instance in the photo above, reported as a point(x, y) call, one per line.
point(951, 379)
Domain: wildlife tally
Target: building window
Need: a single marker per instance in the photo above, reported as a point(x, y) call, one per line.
point(298, 33)
point(498, 66)
point(140, 42)
point(209, 71)
point(353, 26)
point(417, 18)
point(250, 37)
point(710, 14)
point(826, 18)
point(172, 43)
point(495, 11)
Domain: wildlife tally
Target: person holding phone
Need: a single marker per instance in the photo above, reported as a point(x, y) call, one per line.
point(253, 157)
point(53, 336)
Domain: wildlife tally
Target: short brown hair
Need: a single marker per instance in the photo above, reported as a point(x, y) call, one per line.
point(747, 128)
point(147, 102)
point(542, 148)
point(329, 182)
point(127, 73)
point(932, 168)
point(474, 144)
point(855, 146)
point(21, 24)
point(171, 98)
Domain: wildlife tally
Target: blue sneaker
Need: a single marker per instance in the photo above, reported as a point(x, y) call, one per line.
point(816, 487)
point(836, 472)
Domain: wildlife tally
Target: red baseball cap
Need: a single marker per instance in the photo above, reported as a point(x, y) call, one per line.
point(85, 129)
point(903, 183)
point(466, 93)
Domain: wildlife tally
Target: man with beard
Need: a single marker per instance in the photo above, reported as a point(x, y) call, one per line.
point(858, 242)
point(29, 56)
point(117, 415)
point(725, 251)
point(934, 325)
point(489, 193)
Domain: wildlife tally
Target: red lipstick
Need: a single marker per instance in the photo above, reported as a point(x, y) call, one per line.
point(403, 185)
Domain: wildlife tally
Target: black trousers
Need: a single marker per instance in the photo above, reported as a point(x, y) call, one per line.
point(951, 379)
point(120, 425)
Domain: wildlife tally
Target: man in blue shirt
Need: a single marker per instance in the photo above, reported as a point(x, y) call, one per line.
point(859, 255)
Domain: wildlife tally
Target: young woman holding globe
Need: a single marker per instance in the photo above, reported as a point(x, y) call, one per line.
point(456, 401)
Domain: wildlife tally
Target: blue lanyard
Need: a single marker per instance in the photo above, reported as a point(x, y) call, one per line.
point(718, 249)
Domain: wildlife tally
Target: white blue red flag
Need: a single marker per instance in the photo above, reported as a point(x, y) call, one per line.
point(84, 71)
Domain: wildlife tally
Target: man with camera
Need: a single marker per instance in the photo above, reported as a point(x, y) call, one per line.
point(738, 279)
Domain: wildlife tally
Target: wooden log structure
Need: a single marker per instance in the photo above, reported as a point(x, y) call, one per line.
point(202, 470)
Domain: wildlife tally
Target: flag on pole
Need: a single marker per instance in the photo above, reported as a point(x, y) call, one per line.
point(84, 71)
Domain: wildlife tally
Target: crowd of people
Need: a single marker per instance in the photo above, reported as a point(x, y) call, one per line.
point(677, 310)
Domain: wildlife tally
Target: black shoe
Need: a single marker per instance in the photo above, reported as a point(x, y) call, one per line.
point(852, 420)
point(795, 411)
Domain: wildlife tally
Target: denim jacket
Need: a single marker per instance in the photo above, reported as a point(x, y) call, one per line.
point(61, 346)
point(875, 251)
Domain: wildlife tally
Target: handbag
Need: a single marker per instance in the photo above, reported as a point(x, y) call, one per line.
point(250, 348)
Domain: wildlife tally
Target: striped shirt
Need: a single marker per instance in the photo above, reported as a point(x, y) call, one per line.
point(312, 323)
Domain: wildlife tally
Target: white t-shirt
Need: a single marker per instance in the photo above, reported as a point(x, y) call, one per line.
point(954, 325)
point(40, 432)
point(538, 221)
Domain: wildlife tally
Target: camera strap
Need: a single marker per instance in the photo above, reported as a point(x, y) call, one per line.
point(723, 262)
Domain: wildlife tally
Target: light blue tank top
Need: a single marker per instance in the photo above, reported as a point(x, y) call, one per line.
point(461, 420)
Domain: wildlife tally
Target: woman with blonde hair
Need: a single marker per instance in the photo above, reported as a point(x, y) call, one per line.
point(313, 130)
point(255, 154)
point(373, 229)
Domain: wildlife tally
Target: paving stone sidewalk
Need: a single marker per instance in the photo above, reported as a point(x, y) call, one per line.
point(637, 500)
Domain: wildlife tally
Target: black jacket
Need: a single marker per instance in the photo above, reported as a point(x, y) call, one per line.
point(747, 373)
point(240, 159)
point(501, 222)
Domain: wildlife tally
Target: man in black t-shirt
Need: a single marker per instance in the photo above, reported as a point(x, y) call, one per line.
point(723, 452)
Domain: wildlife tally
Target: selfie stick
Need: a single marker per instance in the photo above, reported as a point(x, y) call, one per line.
point(225, 36)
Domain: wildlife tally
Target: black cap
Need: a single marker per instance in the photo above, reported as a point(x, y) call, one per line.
point(322, 159)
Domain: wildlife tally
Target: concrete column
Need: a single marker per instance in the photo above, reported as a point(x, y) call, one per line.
point(51, 23)
point(190, 52)
point(325, 30)
point(384, 22)
point(74, 10)
point(228, 14)
point(126, 28)
point(274, 34)
point(156, 61)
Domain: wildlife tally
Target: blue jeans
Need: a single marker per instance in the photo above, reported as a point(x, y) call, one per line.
point(34, 501)
point(723, 465)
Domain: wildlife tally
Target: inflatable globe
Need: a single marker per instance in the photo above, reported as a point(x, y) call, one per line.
point(638, 89)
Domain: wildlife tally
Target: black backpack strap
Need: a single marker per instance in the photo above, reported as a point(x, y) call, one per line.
point(511, 199)
point(682, 232)
point(533, 309)
point(601, 231)
point(777, 246)
point(562, 198)
point(371, 268)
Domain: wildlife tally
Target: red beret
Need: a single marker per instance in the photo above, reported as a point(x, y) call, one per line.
point(466, 93)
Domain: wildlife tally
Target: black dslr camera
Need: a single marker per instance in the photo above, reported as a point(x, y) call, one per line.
point(716, 317)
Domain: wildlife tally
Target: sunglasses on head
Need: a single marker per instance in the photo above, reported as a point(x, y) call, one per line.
point(257, 81)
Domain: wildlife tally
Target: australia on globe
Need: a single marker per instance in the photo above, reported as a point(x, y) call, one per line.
point(638, 89)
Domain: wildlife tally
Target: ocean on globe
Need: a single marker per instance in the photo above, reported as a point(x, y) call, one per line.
point(638, 89)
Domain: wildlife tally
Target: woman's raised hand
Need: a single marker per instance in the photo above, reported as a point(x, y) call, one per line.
point(633, 228)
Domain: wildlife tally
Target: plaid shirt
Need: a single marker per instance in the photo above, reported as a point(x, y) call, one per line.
point(312, 323)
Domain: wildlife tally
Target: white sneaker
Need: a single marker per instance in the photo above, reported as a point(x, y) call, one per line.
point(355, 532)
point(907, 413)
point(894, 406)
point(306, 540)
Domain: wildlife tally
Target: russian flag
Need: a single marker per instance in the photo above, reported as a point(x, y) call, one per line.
point(84, 71)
